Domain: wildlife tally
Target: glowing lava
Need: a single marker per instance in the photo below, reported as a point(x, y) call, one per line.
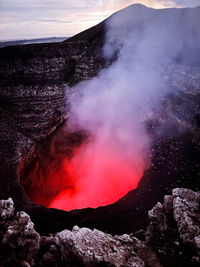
point(97, 175)
point(77, 171)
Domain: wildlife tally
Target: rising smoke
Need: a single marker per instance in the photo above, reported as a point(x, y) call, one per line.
point(114, 106)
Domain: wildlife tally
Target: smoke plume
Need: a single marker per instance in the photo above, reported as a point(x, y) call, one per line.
point(114, 106)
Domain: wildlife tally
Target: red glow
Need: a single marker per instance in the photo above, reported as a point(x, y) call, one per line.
point(76, 172)
point(97, 175)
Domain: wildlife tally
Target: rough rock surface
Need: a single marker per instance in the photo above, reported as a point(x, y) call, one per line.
point(19, 240)
point(34, 80)
point(186, 205)
point(95, 247)
point(172, 239)
point(174, 224)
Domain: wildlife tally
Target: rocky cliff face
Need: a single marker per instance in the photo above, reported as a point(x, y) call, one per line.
point(34, 80)
point(171, 239)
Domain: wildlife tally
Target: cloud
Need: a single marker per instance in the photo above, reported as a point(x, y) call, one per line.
point(187, 3)
point(55, 20)
point(25, 18)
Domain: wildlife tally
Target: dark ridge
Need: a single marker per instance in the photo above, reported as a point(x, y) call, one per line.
point(32, 41)
point(97, 32)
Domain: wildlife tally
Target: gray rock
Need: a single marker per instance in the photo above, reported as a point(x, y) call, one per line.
point(186, 207)
point(179, 211)
point(6, 209)
point(95, 247)
point(19, 240)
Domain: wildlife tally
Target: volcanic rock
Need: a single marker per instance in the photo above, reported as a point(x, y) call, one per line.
point(19, 240)
point(173, 226)
point(187, 217)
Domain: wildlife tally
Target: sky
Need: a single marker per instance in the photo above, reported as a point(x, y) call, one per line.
point(25, 19)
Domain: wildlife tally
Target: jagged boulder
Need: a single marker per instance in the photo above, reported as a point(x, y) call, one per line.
point(186, 204)
point(6, 209)
point(19, 240)
point(174, 228)
point(96, 248)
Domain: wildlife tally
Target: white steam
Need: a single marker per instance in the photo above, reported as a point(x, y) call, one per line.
point(113, 107)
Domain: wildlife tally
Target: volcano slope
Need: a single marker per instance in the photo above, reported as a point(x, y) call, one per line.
point(34, 82)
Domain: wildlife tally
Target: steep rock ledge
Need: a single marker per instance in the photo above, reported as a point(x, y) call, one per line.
point(34, 80)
